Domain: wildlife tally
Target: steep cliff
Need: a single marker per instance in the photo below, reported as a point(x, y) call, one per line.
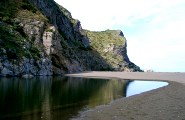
point(112, 46)
point(40, 37)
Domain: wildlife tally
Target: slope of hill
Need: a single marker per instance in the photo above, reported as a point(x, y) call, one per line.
point(40, 37)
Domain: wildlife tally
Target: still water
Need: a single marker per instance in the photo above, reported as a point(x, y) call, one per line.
point(62, 98)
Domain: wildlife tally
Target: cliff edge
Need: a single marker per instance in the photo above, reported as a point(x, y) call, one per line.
point(40, 37)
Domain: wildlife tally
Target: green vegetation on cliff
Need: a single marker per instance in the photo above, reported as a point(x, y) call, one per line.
point(8, 40)
point(103, 38)
point(110, 45)
point(44, 39)
point(13, 38)
point(14, 42)
point(10, 8)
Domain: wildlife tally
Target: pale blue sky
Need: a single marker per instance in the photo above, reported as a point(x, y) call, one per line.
point(154, 29)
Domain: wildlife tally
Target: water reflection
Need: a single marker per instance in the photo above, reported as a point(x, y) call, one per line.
point(55, 98)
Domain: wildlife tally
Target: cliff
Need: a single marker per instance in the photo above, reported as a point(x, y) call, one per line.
point(112, 46)
point(40, 37)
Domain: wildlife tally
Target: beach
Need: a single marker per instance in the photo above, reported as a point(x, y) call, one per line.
point(166, 103)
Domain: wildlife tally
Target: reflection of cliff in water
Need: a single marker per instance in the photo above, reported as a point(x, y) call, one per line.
point(55, 98)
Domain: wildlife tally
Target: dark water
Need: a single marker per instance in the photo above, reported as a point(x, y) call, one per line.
point(60, 98)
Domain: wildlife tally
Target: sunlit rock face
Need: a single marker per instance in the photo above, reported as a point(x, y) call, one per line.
point(62, 20)
point(40, 37)
point(112, 46)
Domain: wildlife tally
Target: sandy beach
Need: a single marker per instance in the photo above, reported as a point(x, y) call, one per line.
point(166, 103)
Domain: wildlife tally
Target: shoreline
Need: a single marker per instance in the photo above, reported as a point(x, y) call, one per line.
point(166, 103)
point(158, 76)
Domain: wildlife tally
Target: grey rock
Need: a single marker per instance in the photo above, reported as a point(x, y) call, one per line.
point(6, 72)
point(57, 48)
point(71, 31)
point(27, 76)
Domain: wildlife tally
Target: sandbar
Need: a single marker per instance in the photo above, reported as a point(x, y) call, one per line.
point(166, 103)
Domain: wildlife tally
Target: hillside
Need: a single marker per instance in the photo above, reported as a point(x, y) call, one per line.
point(41, 38)
point(112, 46)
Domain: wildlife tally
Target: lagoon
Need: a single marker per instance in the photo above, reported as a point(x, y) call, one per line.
point(57, 98)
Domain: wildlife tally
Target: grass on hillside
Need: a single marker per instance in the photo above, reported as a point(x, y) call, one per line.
point(11, 41)
point(11, 8)
point(12, 36)
point(100, 41)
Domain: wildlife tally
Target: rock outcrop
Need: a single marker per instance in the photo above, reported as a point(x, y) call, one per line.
point(40, 37)
point(112, 46)
point(19, 57)
point(70, 29)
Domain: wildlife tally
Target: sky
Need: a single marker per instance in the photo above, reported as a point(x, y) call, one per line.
point(154, 29)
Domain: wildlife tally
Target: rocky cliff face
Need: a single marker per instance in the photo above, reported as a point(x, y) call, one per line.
point(39, 37)
point(70, 29)
point(19, 56)
point(112, 46)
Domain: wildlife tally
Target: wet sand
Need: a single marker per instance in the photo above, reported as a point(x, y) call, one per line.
point(166, 103)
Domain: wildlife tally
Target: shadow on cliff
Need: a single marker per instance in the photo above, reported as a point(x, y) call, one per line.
point(71, 58)
point(71, 52)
